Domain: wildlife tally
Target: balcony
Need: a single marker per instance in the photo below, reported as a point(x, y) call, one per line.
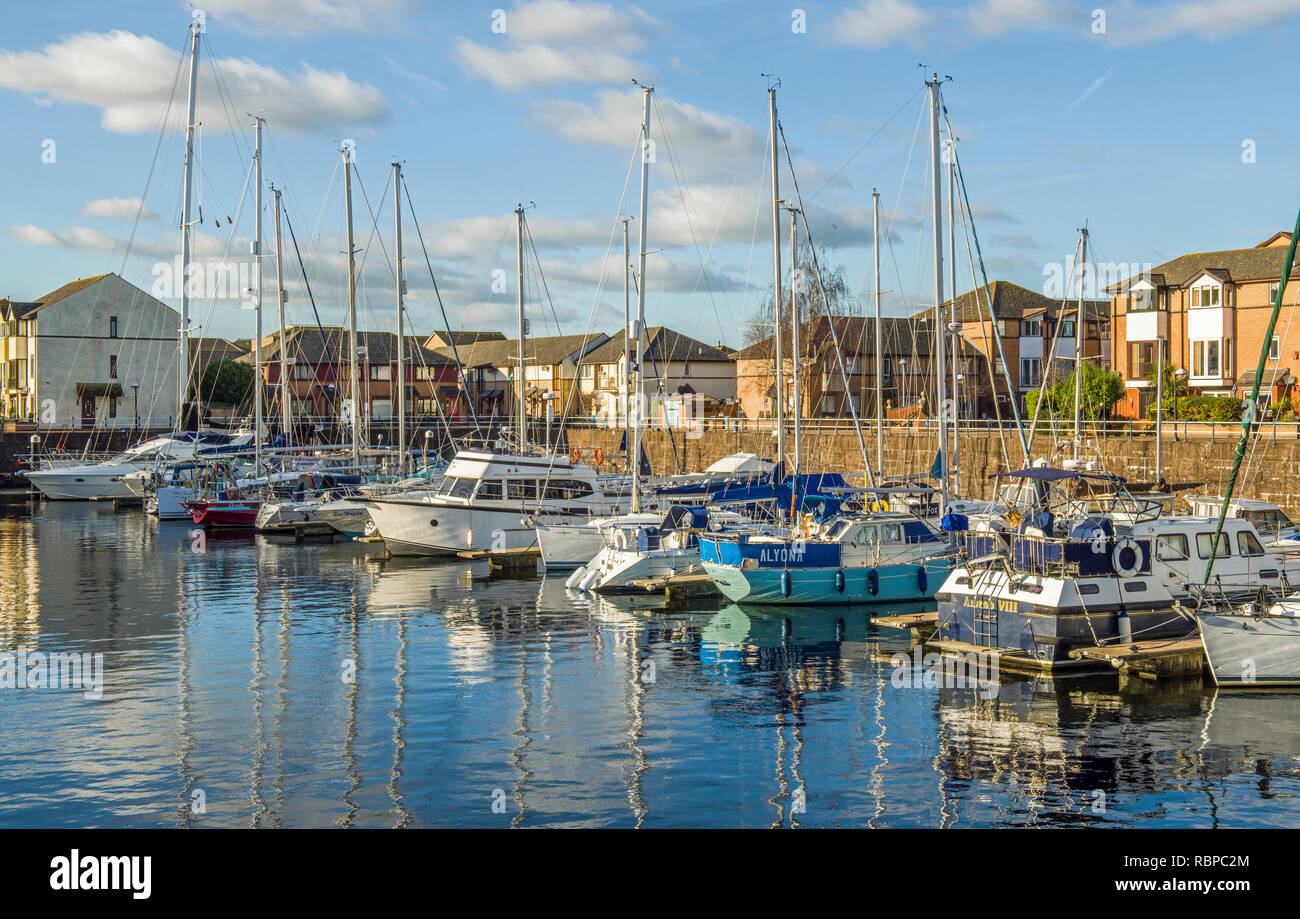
point(1206, 323)
point(1147, 325)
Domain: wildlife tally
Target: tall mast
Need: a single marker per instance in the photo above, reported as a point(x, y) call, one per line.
point(523, 375)
point(627, 342)
point(880, 342)
point(776, 280)
point(183, 371)
point(952, 301)
point(355, 381)
point(257, 292)
point(401, 336)
point(286, 423)
point(794, 335)
point(940, 364)
point(640, 301)
point(1079, 326)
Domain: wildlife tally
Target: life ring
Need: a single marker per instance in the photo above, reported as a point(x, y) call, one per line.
point(575, 454)
point(879, 505)
point(620, 539)
point(1132, 547)
point(599, 456)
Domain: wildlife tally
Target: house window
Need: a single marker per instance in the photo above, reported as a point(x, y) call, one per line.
point(1031, 328)
point(885, 370)
point(1274, 349)
point(589, 371)
point(112, 366)
point(304, 372)
point(1212, 358)
point(1031, 369)
point(1141, 359)
point(1205, 296)
point(112, 407)
point(426, 406)
point(853, 364)
point(1142, 300)
point(381, 372)
point(1067, 328)
point(112, 327)
point(686, 369)
point(1272, 292)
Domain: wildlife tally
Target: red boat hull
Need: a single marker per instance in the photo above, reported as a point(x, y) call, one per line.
point(229, 513)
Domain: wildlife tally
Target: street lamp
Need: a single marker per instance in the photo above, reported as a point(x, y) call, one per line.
point(427, 436)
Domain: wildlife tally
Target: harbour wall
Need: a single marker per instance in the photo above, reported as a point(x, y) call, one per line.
point(1271, 471)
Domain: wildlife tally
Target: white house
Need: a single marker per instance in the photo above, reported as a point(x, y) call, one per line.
point(92, 353)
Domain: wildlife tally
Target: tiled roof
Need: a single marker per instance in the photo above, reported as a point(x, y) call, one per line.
point(305, 344)
point(857, 335)
point(1236, 265)
point(553, 349)
point(662, 344)
point(1010, 301)
point(69, 289)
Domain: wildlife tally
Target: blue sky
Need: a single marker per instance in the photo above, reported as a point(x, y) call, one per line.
point(1137, 129)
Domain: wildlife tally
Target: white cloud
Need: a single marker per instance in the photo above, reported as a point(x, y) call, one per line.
point(298, 17)
point(553, 42)
point(118, 207)
point(878, 23)
point(998, 17)
point(1210, 19)
point(517, 69)
point(129, 78)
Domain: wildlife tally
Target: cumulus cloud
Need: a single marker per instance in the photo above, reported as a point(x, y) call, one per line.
point(129, 77)
point(552, 42)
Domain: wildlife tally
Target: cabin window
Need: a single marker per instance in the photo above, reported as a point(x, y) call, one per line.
point(891, 532)
point(1135, 587)
point(1247, 544)
point(521, 490)
point(490, 490)
point(1205, 540)
point(564, 489)
point(459, 487)
point(1089, 588)
point(1172, 548)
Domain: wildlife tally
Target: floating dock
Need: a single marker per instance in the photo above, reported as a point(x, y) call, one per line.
point(507, 561)
point(681, 587)
point(921, 625)
point(1143, 660)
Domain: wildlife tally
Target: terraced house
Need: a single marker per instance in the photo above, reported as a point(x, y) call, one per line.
point(1208, 312)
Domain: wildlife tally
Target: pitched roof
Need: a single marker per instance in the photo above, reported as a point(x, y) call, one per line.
point(662, 344)
point(1262, 262)
point(464, 337)
point(69, 289)
point(16, 309)
point(902, 336)
point(552, 349)
point(1010, 301)
point(304, 344)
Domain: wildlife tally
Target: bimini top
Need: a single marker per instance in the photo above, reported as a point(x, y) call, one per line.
point(1048, 474)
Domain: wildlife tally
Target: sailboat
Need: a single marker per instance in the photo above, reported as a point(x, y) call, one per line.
point(844, 558)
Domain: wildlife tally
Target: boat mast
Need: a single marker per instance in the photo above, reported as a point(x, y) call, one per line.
point(257, 292)
point(1160, 401)
point(1079, 326)
point(183, 371)
point(355, 382)
point(401, 339)
point(939, 364)
point(794, 335)
point(285, 421)
point(880, 342)
point(776, 278)
point(522, 382)
point(953, 327)
point(640, 301)
point(627, 342)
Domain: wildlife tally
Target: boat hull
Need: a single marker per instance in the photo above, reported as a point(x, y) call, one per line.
point(1249, 651)
point(71, 484)
point(894, 583)
point(228, 514)
point(414, 527)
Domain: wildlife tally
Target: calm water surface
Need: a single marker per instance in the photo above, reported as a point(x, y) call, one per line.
point(497, 702)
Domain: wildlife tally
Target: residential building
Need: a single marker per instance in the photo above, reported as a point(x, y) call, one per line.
point(1211, 311)
point(319, 383)
point(98, 352)
point(677, 370)
point(490, 367)
point(461, 337)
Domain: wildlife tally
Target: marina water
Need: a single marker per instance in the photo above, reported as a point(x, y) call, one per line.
point(256, 682)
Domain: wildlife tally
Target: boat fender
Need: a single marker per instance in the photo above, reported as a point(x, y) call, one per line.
point(785, 583)
point(1126, 548)
point(574, 578)
point(839, 581)
point(873, 582)
point(922, 579)
point(591, 578)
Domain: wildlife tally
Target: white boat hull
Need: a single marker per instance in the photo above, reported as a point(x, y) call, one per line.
point(83, 483)
point(414, 527)
point(1246, 651)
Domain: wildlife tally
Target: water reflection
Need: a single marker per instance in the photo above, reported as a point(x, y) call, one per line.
point(259, 683)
